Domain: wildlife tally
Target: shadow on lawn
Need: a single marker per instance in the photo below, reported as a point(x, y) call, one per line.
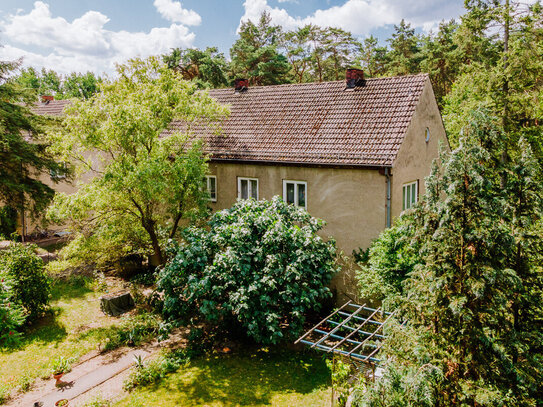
point(46, 330)
point(251, 379)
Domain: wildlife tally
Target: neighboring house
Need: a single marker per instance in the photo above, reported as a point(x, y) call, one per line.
point(355, 157)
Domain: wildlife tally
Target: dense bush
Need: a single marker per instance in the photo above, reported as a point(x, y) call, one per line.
point(29, 282)
point(11, 314)
point(133, 331)
point(153, 371)
point(392, 256)
point(260, 266)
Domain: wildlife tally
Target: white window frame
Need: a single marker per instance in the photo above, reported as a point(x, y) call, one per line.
point(249, 190)
point(208, 186)
point(406, 200)
point(296, 183)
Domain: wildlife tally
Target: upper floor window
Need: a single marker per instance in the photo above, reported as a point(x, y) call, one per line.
point(295, 192)
point(211, 183)
point(410, 194)
point(247, 188)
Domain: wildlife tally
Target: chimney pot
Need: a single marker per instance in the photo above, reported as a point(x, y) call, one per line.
point(47, 98)
point(354, 78)
point(241, 85)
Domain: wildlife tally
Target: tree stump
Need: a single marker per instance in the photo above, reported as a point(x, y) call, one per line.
point(116, 304)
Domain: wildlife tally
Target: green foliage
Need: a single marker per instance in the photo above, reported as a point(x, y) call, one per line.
point(8, 222)
point(255, 56)
point(61, 365)
point(12, 315)
point(29, 283)
point(145, 374)
point(261, 265)
point(473, 300)
point(402, 386)
point(392, 257)
point(207, 68)
point(133, 331)
point(143, 184)
point(22, 162)
point(49, 82)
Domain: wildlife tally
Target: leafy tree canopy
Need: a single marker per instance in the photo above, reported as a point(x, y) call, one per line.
point(208, 68)
point(23, 155)
point(49, 82)
point(142, 184)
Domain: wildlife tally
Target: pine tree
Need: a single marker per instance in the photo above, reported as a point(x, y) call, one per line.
point(255, 56)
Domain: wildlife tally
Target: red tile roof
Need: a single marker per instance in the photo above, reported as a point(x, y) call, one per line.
point(309, 123)
point(316, 123)
point(51, 108)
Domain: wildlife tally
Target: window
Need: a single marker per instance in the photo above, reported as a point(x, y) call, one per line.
point(410, 194)
point(295, 192)
point(427, 135)
point(247, 188)
point(211, 183)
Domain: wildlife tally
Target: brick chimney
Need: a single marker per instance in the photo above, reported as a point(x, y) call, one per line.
point(241, 85)
point(45, 99)
point(354, 78)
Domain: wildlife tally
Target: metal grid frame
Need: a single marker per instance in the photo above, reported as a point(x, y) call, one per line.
point(361, 342)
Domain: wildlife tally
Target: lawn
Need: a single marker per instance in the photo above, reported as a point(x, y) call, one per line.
point(255, 378)
point(75, 327)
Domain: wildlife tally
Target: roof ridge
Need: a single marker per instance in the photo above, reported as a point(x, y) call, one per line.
point(379, 78)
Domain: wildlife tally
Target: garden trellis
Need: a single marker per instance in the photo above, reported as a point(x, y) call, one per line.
point(353, 331)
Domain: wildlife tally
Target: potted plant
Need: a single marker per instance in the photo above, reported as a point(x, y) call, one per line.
point(60, 366)
point(62, 403)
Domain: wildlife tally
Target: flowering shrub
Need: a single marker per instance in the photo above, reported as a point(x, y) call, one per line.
point(29, 283)
point(261, 265)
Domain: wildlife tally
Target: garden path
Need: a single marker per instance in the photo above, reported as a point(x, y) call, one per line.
point(96, 374)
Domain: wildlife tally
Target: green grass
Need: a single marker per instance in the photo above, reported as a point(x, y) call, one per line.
point(255, 378)
point(75, 327)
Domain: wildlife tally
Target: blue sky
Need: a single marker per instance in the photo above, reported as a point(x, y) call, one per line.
point(81, 35)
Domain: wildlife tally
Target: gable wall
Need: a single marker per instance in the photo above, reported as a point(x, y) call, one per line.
point(414, 159)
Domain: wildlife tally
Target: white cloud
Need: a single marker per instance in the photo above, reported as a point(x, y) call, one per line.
point(174, 11)
point(360, 16)
point(84, 43)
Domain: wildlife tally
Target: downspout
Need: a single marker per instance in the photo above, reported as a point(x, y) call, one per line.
point(387, 175)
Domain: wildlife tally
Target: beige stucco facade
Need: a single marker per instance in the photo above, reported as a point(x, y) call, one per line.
point(350, 200)
point(414, 159)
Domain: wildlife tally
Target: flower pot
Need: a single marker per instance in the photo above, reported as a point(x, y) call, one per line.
point(57, 377)
point(62, 403)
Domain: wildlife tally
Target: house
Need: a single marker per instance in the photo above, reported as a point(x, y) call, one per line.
point(354, 153)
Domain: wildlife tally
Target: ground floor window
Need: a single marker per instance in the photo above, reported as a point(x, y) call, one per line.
point(295, 192)
point(247, 188)
point(410, 194)
point(211, 183)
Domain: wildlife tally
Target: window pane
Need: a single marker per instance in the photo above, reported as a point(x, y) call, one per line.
point(244, 189)
point(254, 189)
point(413, 194)
point(301, 195)
point(408, 197)
point(403, 195)
point(290, 193)
point(213, 188)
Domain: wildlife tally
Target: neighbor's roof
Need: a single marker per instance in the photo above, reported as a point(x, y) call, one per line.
point(51, 108)
point(316, 123)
